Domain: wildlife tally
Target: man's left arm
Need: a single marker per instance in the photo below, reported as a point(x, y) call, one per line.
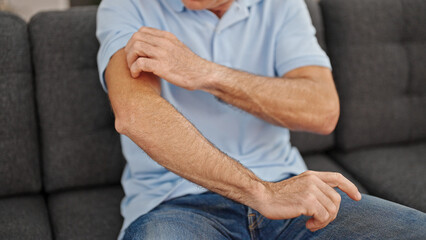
point(303, 99)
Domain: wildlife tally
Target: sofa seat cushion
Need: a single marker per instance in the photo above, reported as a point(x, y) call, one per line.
point(86, 214)
point(396, 173)
point(319, 162)
point(24, 218)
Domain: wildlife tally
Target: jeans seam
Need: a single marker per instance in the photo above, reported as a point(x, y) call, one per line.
point(258, 222)
point(253, 223)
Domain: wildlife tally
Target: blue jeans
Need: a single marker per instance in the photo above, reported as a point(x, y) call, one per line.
point(211, 216)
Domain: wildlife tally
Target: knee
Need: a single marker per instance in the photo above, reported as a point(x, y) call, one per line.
point(160, 228)
point(172, 225)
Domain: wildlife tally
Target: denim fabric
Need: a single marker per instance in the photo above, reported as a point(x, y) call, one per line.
point(211, 216)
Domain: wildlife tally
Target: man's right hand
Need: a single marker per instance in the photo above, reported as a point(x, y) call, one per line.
point(310, 193)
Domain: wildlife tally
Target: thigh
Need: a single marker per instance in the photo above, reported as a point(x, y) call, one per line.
point(205, 216)
point(370, 218)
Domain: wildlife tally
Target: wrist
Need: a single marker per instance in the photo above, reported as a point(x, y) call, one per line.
point(212, 75)
point(258, 194)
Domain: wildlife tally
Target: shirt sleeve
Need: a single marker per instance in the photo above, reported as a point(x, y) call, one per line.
point(296, 44)
point(117, 21)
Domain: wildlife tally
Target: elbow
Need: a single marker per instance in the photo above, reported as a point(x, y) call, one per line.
point(123, 121)
point(329, 118)
point(128, 114)
point(120, 126)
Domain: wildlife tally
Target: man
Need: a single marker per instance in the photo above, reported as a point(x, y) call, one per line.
point(204, 92)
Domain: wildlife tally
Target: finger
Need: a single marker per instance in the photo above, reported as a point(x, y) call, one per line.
point(147, 38)
point(152, 39)
point(156, 32)
point(319, 215)
point(327, 197)
point(139, 49)
point(334, 179)
point(142, 65)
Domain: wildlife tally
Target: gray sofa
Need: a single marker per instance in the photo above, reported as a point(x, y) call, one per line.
point(60, 157)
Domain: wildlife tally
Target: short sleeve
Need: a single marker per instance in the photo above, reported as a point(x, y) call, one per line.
point(117, 21)
point(296, 44)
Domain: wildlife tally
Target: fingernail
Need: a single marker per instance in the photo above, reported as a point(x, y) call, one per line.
point(359, 196)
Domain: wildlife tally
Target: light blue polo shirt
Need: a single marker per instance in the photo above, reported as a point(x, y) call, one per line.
point(263, 37)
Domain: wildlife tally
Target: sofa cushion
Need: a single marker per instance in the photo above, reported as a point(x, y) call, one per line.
point(378, 53)
point(80, 145)
point(86, 214)
point(309, 142)
point(396, 173)
point(24, 218)
point(320, 162)
point(19, 155)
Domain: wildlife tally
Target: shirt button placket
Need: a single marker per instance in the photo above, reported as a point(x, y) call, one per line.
point(215, 48)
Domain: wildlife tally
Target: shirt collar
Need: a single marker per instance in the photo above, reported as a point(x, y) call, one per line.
point(178, 6)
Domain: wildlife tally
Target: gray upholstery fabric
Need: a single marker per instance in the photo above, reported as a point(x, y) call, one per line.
point(396, 173)
point(316, 16)
point(80, 145)
point(19, 155)
point(309, 142)
point(23, 218)
point(86, 214)
point(378, 52)
point(319, 162)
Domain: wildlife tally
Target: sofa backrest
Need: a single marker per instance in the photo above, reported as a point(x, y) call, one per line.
point(79, 144)
point(19, 154)
point(378, 52)
point(309, 142)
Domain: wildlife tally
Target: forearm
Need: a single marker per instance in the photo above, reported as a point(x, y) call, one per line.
point(172, 141)
point(296, 103)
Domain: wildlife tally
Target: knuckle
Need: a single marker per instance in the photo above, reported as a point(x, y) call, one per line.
point(338, 176)
point(310, 198)
point(312, 178)
point(326, 216)
point(333, 209)
point(140, 47)
point(141, 63)
point(162, 53)
point(168, 43)
point(170, 35)
point(338, 198)
point(333, 216)
point(311, 188)
point(138, 44)
point(323, 217)
point(135, 36)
